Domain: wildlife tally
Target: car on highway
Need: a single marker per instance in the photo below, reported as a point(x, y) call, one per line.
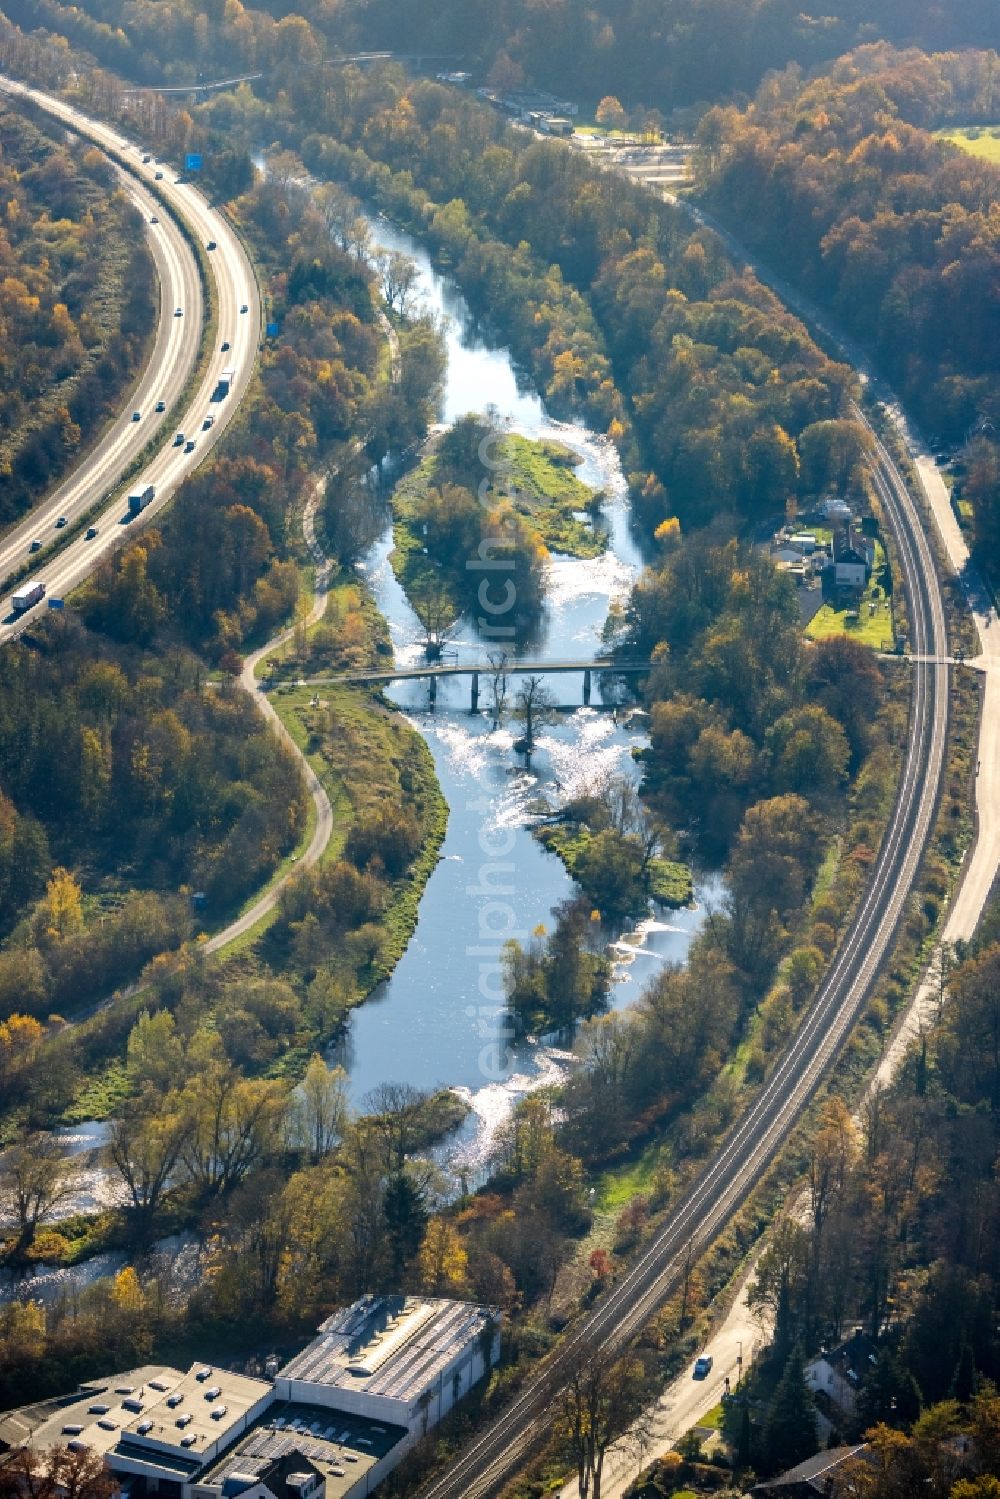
point(179, 440)
point(178, 312)
point(189, 445)
point(157, 176)
point(244, 308)
point(702, 1367)
point(225, 346)
point(36, 546)
point(137, 416)
point(161, 406)
point(146, 158)
point(210, 245)
point(60, 522)
point(91, 533)
point(208, 422)
point(154, 219)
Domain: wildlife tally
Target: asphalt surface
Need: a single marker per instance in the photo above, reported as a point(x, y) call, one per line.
point(754, 1141)
point(233, 285)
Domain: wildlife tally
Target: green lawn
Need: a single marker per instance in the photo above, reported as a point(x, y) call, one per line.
point(978, 140)
point(873, 625)
point(874, 629)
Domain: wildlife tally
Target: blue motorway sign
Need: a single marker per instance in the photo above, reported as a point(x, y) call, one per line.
point(192, 161)
point(273, 329)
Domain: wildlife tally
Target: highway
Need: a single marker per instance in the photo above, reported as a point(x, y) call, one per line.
point(754, 1141)
point(233, 287)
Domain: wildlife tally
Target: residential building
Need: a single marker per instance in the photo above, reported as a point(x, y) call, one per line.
point(853, 557)
point(839, 1372)
point(817, 1476)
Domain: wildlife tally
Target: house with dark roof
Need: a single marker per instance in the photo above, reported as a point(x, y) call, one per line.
point(840, 1372)
point(853, 557)
point(816, 1476)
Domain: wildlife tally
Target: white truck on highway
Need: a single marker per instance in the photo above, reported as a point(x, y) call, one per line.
point(226, 381)
point(25, 597)
point(140, 498)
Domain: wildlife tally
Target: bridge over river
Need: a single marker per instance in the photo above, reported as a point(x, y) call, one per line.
point(476, 669)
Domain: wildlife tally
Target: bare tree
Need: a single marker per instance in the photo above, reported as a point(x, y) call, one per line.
point(499, 686)
point(534, 706)
point(393, 1113)
point(603, 1403)
point(35, 1176)
point(56, 1474)
point(432, 606)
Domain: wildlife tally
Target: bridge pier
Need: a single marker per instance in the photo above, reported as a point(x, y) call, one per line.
point(474, 704)
point(434, 690)
point(586, 689)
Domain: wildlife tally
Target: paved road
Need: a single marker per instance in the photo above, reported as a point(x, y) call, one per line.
point(323, 830)
point(171, 361)
point(753, 1142)
point(233, 286)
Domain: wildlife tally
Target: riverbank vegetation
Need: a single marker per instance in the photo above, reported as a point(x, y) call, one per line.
point(777, 758)
point(149, 780)
point(77, 305)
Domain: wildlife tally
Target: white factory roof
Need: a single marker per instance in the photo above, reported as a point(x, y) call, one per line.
point(393, 1346)
point(155, 1415)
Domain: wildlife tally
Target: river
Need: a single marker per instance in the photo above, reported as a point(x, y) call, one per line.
point(439, 1021)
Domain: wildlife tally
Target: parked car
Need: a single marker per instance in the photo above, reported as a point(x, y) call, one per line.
point(702, 1367)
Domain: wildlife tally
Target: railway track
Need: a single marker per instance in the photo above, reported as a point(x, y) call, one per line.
point(755, 1140)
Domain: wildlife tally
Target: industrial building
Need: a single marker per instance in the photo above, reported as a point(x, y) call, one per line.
point(330, 1425)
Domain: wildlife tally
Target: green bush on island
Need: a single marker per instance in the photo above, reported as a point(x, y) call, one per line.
point(483, 494)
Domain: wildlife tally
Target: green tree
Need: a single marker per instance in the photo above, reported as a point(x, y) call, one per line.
point(406, 1220)
point(790, 1429)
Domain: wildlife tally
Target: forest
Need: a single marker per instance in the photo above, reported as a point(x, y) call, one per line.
point(839, 180)
point(774, 757)
point(667, 53)
point(76, 305)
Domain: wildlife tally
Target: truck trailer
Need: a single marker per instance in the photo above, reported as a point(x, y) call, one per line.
point(140, 498)
point(26, 597)
point(226, 381)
